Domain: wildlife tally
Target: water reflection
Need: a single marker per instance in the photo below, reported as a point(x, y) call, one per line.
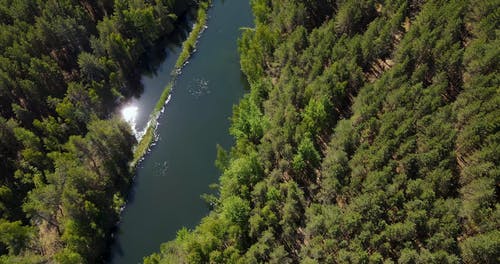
point(155, 65)
point(129, 114)
point(168, 184)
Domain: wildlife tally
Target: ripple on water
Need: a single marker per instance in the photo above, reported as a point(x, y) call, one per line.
point(198, 87)
point(161, 168)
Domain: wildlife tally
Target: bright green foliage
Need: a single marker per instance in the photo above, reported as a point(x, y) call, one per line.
point(14, 235)
point(370, 135)
point(248, 123)
point(235, 210)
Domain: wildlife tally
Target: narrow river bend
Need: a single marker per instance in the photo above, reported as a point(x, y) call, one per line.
point(180, 167)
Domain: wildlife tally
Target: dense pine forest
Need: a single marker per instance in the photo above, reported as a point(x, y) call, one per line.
point(64, 68)
point(370, 135)
point(371, 132)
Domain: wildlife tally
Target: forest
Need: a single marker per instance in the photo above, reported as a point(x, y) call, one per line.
point(370, 135)
point(65, 66)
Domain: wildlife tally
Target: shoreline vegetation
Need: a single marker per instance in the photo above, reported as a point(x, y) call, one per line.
point(370, 135)
point(188, 48)
point(66, 67)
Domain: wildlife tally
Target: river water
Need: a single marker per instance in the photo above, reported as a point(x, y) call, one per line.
point(180, 167)
point(158, 63)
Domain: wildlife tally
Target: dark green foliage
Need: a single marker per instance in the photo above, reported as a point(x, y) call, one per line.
point(370, 135)
point(64, 68)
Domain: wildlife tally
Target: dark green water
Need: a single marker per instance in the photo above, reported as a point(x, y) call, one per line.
point(169, 182)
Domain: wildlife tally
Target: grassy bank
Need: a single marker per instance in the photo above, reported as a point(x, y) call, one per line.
point(190, 43)
point(188, 47)
point(149, 136)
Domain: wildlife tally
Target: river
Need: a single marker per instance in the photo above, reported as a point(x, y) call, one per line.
point(180, 167)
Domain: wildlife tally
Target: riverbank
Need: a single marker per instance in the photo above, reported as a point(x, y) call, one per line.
point(188, 48)
point(180, 167)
